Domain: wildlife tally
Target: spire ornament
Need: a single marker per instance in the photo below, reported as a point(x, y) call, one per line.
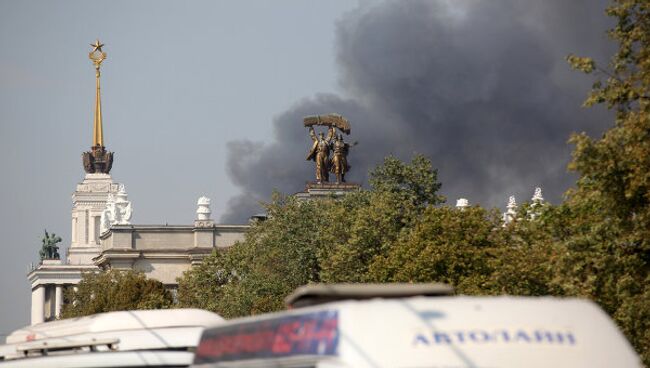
point(97, 160)
point(511, 211)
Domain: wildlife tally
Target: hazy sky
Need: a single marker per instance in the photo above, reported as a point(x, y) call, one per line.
point(206, 98)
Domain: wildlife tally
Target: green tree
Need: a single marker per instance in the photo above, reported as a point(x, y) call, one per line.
point(444, 245)
point(610, 207)
point(312, 241)
point(417, 181)
point(113, 290)
point(399, 193)
point(471, 250)
point(277, 255)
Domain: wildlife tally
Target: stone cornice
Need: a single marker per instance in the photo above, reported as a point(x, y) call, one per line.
point(58, 274)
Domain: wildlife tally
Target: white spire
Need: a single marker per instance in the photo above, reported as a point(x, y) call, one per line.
point(537, 202)
point(537, 196)
point(511, 211)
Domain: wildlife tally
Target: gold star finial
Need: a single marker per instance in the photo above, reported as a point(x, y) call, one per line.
point(97, 46)
point(97, 55)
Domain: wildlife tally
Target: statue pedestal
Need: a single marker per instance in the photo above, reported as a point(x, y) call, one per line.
point(51, 262)
point(315, 190)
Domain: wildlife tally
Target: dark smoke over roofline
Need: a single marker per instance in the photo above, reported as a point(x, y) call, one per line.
point(480, 87)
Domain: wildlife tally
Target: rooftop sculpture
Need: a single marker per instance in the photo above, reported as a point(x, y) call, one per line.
point(50, 250)
point(118, 210)
point(323, 145)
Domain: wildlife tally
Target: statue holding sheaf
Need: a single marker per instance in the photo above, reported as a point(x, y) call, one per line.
point(323, 145)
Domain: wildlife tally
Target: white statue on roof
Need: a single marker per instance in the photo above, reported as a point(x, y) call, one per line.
point(118, 210)
point(124, 208)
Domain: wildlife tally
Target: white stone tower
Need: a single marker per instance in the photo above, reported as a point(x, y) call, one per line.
point(88, 203)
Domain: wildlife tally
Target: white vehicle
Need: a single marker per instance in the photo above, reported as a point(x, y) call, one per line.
point(422, 331)
point(153, 338)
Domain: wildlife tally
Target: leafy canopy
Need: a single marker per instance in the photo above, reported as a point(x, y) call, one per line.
point(114, 290)
point(312, 241)
point(610, 207)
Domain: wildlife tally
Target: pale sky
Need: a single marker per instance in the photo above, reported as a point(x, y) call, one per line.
point(181, 79)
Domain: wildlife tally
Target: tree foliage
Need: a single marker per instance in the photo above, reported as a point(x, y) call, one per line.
point(611, 202)
point(312, 241)
point(388, 234)
point(113, 290)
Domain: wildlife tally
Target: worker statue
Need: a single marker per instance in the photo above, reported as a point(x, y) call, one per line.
point(320, 153)
point(340, 164)
point(323, 145)
point(50, 250)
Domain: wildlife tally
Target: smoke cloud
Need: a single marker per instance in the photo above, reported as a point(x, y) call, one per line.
point(480, 87)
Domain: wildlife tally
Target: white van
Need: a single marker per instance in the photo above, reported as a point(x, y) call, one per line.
point(152, 338)
point(422, 331)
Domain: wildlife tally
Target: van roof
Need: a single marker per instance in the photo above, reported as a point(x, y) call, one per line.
point(314, 294)
point(116, 321)
point(170, 329)
point(503, 332)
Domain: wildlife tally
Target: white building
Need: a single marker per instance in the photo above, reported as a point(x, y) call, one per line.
point(103, 238)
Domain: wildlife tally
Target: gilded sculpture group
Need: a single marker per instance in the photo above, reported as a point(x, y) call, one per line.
point(323, 145)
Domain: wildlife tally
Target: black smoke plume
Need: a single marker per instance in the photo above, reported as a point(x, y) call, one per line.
point(480, 87)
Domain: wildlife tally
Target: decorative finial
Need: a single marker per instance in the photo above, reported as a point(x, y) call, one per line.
point(203, 211)
point(98, 160)
point(536, 205)
point(537, 196)
point(512, 203)
point(511, 211)
point(97, 56)
point(97, 46)
point(462, 203)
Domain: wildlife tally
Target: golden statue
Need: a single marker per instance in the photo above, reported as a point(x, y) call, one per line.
point(320, 152)
point(340, 164)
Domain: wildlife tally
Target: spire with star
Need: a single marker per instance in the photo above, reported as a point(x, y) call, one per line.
point(97, 160)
